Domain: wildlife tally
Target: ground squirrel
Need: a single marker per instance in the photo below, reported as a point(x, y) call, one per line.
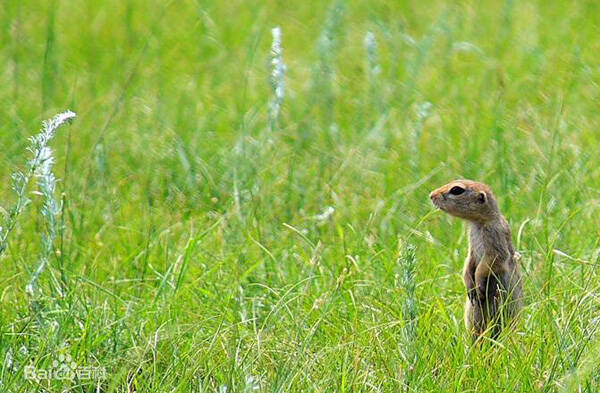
point(491, 272)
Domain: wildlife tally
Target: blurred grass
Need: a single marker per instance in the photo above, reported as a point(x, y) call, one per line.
point(196, 256)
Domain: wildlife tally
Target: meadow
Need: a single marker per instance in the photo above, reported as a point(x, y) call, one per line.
point(234, 214)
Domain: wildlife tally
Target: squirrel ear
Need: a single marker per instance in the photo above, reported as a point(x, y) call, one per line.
point(482, 197)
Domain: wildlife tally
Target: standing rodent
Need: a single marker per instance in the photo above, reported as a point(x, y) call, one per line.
point(491, 273)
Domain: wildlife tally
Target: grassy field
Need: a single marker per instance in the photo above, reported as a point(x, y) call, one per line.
point(210, 240)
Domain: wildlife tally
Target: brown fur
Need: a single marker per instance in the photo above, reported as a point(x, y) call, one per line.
point(491, 273)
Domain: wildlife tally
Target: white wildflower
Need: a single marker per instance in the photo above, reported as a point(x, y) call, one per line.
point(277, 77)
point(40, 163)
point(326, 214)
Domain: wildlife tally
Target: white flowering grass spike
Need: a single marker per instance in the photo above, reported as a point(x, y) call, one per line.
point(39, 165)
point(42, 164)
point(371, 48)
point(277, 77)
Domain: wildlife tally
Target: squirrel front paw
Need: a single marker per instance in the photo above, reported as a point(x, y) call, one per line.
point(487, 289)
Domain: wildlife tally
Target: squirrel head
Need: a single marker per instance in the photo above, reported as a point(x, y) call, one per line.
point(466, 199)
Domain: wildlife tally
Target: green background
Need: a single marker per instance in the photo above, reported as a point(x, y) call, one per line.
point(195, 254)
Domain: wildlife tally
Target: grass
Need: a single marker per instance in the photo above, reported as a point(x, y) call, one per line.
point(206, 244)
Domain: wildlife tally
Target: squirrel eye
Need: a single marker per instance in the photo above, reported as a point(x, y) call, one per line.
point(456, 190)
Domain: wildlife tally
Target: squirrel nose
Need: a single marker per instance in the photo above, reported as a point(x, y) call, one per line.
point(437, 195)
